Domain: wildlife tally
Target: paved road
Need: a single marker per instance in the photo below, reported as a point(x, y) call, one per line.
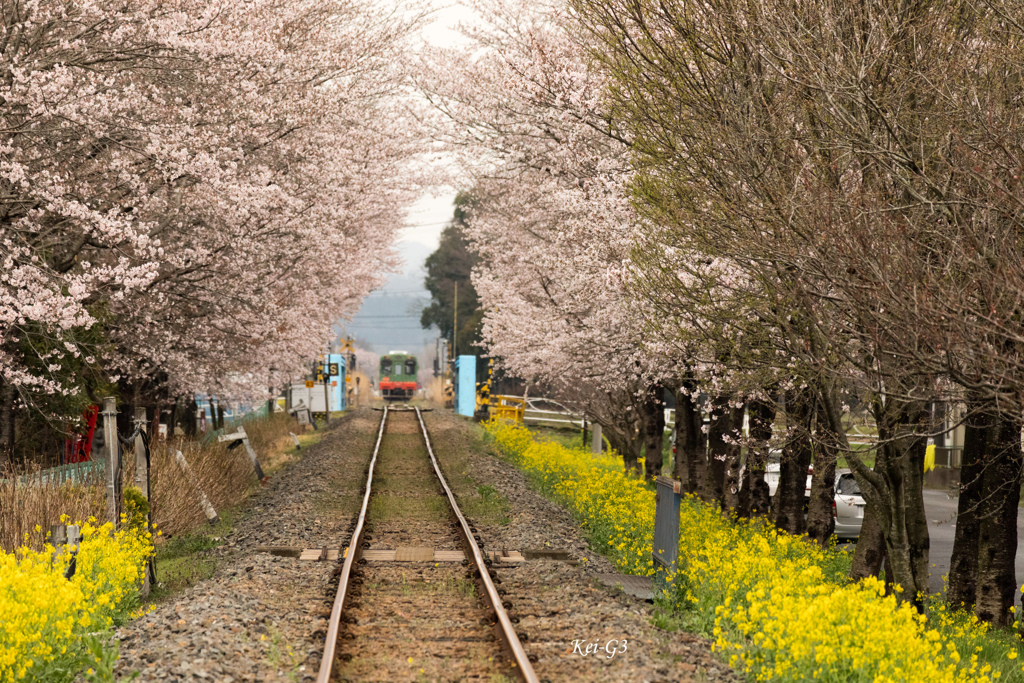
point(941, 510)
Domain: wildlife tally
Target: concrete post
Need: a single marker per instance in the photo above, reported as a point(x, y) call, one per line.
point(141, 471)
point(252, 454)
point(327, 390)
point(58, 539)
point(142, 477)
point(204, 502)
point(111, 443)
point(597, 443)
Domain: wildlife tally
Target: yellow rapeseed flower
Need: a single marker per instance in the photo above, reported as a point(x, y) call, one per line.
point(778, 608)
point(45, 615)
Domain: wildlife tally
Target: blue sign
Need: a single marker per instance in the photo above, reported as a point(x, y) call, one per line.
point(465, 385)
point(337, 382)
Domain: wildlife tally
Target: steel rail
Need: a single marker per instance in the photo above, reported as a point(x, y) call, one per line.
point(351, 555)
point(507, 630)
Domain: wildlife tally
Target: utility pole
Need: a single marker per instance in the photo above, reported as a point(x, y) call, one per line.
point(327, 378)
point(455, 329)
point(111, 446)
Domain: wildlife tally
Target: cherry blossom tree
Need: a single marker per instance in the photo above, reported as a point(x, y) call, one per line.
point(211, 184)
point(524, 116)
point(853, 163)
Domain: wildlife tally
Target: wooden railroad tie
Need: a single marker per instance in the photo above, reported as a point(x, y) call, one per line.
point(404, 554)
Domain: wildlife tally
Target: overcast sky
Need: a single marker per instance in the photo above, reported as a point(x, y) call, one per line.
point(432, 212)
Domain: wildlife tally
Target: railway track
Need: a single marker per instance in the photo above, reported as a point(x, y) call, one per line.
point(437, 613)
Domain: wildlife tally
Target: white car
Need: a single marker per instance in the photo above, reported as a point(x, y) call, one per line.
point(848, 507)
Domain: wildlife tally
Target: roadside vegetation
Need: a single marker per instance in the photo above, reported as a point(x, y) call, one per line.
point(55, 628)
point(777, 606)
point(30, 506)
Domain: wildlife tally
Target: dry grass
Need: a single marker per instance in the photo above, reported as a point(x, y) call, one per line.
point(25, 505)
point(225, 476)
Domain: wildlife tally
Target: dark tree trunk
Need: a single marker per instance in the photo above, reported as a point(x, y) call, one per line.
point(902, 466)
point(679, 469)
point(917, 519)
point(191, 415)
point(124, 422)
point(653, 420)
point(172, 420)
point(758, 500)
point(153, 417)
point(213, 412)
point(627, 447)
point(870, 551)
point(820, 522)
point(796, 460)
point(869, 554)
point(7, 396)
point(691, 451)
point(630, 462)
point(731, 488)
point(963, 566)
point(714, 482)
point(893, 491)
point(997, 529)
point(220, 415)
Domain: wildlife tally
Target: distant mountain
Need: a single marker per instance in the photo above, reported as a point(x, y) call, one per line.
point(389, 318)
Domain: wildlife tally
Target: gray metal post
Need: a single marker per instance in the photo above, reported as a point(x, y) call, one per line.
point(58, 539)
point(597, 443)
point(141, 478)
point(111, 443)
point(74, 537)
point(666, 528)
point(327, 398)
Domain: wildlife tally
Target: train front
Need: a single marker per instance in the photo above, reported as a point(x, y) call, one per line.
point(398, 372)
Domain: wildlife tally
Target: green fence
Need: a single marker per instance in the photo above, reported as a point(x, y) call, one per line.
point(79, 473)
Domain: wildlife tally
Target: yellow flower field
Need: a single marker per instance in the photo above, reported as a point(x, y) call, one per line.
point(45, 616)
point(777, 607)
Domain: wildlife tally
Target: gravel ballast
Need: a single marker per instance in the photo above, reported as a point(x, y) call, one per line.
point(263, 618)
point(561, 606)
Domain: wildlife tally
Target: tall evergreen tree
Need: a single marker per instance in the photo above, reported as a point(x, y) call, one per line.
point(452, 263)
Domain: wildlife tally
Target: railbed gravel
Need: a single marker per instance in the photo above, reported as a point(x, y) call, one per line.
point(557, 602)
point(263, 618)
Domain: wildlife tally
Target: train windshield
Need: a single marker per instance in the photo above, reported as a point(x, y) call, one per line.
point(410, 366)
point(385, 367)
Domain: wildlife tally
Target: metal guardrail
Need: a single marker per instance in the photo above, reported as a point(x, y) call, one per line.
point(519, 409)
point(557, 417)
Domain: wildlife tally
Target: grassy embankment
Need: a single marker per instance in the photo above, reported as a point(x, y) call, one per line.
point(183, 551)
